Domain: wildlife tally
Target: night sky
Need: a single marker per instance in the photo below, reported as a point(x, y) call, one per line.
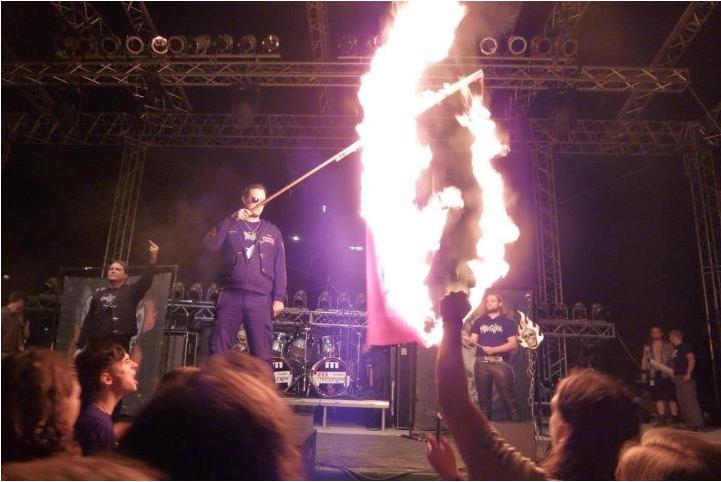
point(626, 225)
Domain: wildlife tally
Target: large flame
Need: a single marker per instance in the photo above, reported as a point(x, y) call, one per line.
point(406, 235)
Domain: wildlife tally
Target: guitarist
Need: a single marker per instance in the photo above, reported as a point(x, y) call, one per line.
point(656, 364)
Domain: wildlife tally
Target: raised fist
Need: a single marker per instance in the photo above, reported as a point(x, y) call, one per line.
point(454, 306)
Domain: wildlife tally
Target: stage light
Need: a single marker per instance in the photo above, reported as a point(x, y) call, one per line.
point(134, 44)
point(300, 300)
point(355, 248)
point(65, 46)
point(560, 310)
point(599, 312)
point(295, 238)
point(544, 310)
point(579, 311)
point(195, 293)
point(244, 106)
point(6, 277)
point(177, 44)
point(178, 290)
point(223, 44)
point(110, 45)
point(373, 43)
point(199, 45)
point(159, 45)
point(489, 46)
point(348, 45)
point(323, 301)
point(51, 286)
point(247, 44)
point(343, 302)
point(88, 46)
point(213, 293)
point(566, 47)
point(517, 45)
point(360, 302)
point(541, 46)
point(270, 44)
point(324, 208)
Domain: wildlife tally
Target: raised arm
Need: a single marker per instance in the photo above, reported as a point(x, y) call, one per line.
point(139, 288)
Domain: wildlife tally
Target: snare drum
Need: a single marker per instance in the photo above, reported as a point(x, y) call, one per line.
point(296, 348)
point(330, 377)
point(284, 373)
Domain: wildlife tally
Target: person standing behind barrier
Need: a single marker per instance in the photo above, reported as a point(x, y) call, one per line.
point(253, 277)
point(684, 363)
point(14, 330)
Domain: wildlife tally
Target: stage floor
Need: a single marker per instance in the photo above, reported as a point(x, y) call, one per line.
point(350, 453)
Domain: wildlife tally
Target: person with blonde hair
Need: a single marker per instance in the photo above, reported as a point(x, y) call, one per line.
point(668, 454)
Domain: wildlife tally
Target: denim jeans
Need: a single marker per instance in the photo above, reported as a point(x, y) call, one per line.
point(500, 373)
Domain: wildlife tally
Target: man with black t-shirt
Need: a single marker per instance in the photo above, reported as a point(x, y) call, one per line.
point(253, 277)
point(684, 362)
point(494, 334)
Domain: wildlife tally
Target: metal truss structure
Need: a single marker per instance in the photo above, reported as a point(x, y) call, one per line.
point(125, 203)
point(318, 30)
point(705, 188)
point(499, 73)
point(599, 137)
point(688, 26)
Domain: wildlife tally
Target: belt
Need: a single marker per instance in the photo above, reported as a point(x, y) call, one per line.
point(490, 359)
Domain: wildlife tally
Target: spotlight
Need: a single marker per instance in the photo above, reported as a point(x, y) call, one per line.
point(348, 45)
point(599, 312)
point(295, 238)
point(223, 44)
point(213, 293)
point(177, 44)
point(199, 45)
point(360, 302)
point(344, 302)
point(300, 300)
point(134, 44)
point(270, 44)
point(178, 290)
point(247, 44)
point(195, 293)
point(373, 43)
point(110, 45)
point(356, 248)
point(88, 46)
point(323, 301)
point(51, 286)
point(560, 310)
point(579, 311)
point(544, 310)
point(566, 47)
point(159, 45)
point(517, 45)
point(65, 46)
point(541, 46)
point(489, 46)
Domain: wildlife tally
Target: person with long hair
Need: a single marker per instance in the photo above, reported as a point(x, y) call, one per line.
point(226, 421)
point(40, 403)
point(657, 354)
point(669, 454)
point(592, 416)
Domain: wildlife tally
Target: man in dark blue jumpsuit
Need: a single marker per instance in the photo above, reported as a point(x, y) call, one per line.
point(253, 278)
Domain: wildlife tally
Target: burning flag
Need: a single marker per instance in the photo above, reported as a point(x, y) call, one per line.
point(403, 235)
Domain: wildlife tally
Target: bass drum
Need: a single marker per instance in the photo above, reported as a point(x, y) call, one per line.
point(284, 372)
point(330, 377)
point(296, 348)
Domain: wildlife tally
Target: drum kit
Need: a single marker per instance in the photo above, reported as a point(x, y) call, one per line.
point(306, 364)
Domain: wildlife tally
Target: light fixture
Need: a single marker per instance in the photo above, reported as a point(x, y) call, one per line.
point(65, 46)
point(88, 46)
point(300, 300)
point(599, 312)
point(159, 45)
point(541, 46)
point(544, 310)
point(517, 45)
point(348, 45)
point(178, 290)
point(566, 46)
point(195, 293)
point(51, 286)
point(199, 45)
point(323, 301)
point(489, 46)
point(373, 43)
point(356, 248)
point(134, 44)
point(247, 44)
point(295, 238)
point(270, 44)
point(579, 311)
point(344, 302)
point(223, 44)
point(213, 293)
point(177, 44)
point(360, 302)
point(560, 310)
point(110, 45)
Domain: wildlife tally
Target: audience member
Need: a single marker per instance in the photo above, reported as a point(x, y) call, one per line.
point(592, 416)
point(106, 375)
point(112, 467)
point(40, 403)
point(176, 375)
point(221, 423)
point(668, 454)
point(684, 364)
point(14, 330)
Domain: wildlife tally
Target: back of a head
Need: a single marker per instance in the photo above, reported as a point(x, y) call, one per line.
point(36, 388)
point(106, 467)
point(224, 422)
point(602, 417)
point(669, 454)
point(96, 358)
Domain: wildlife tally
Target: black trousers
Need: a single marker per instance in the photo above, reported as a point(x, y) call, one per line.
point(501, 374)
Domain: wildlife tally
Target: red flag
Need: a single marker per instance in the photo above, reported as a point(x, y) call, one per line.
point(385, 327)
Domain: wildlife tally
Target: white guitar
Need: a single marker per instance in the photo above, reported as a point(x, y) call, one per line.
point(660, 366)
